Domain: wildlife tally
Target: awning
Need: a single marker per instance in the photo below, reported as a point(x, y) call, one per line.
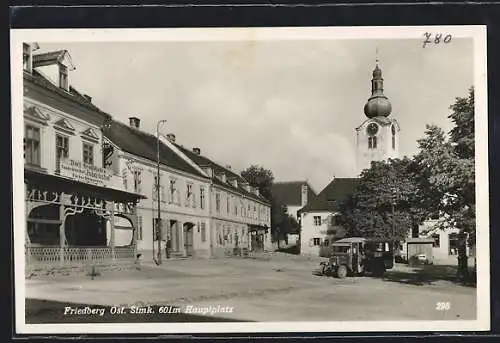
point(42, 180)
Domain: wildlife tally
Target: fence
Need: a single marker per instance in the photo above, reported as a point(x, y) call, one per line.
point(39, 258)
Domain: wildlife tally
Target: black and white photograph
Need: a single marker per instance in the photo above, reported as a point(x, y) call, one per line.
point(327, 179)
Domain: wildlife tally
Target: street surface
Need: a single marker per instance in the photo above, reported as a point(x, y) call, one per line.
point(268, 287)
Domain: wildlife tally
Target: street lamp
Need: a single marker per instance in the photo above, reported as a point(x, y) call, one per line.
point(158, 222)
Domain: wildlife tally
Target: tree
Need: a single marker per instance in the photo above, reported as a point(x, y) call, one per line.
point(281, 221)
point(261, 178)
point(447, 168)
point(385, 204)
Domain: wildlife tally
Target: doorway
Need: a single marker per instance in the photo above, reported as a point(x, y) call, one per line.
point(188, 238)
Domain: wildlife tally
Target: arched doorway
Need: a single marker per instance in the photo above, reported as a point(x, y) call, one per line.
point(188, 238)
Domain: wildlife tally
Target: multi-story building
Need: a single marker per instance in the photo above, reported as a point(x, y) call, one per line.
point(93, 186)
point(240, 216)
point(183, 193)
point(72, 215)
point(319, 217)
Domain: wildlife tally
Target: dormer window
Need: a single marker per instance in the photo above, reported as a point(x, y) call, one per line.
point(61, 60)
point(63, 77)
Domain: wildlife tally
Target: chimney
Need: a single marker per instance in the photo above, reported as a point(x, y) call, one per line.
point(171, 137)
point(304, 195)
point(134, 122)
point(228, 166)
point(197, 151)
point(88, 97)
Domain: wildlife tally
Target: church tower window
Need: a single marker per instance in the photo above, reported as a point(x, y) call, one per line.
point(393, 131)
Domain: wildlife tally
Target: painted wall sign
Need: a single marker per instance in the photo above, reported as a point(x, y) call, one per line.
point(85, 173)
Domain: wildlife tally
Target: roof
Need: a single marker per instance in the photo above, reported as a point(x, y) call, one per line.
point(53, 57)
point(140, 143)
point(204, 161)
point(330, 197)
point(290, 192)
point(73, 95)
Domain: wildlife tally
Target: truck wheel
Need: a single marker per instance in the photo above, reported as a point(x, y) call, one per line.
point(342, 272)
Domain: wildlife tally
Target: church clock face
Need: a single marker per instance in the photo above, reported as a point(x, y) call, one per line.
point(372, 129)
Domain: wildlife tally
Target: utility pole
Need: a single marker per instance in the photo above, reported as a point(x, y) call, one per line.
point(158, 221)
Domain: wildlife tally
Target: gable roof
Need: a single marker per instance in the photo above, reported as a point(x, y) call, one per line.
point(290, 192)
point(143, 144)
point(204, 161)
point(330, 197)
point(47, 58)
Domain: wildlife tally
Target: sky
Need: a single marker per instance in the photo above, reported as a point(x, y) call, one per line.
point(289, 106)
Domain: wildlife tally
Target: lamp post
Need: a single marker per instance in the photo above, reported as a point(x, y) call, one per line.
point(158, 221)
point(393, 205)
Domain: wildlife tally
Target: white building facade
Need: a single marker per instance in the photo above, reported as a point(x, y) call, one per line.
point(74, 216)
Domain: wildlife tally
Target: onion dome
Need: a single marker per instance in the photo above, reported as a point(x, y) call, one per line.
point(378, 105)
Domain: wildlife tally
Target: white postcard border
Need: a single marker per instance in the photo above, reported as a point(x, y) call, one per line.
point(478, 33)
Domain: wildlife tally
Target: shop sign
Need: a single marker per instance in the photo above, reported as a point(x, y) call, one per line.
point(86, 173)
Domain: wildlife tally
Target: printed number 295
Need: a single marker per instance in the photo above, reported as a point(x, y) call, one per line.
point(443, 306)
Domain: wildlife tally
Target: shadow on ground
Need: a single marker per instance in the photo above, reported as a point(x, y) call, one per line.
point(429, 274)
point(46, 311)
point(294, 250)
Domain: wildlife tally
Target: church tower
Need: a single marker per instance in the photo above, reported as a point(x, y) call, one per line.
point(377, 138)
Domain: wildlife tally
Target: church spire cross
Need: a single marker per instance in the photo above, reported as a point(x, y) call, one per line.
point(378, 105)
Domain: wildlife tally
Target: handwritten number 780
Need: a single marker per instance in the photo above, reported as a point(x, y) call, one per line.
point(436, 39)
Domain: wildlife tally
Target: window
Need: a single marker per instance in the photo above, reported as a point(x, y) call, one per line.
point(63, 77)
point(217, 202)
point(137, 181)
point(393, 131)
point(32, 145)
point(334, 221)
point(372, 142)
point(249, 210)
point(317, 220)
point(139, 228)
point(235, 208)
point(189, 194)
point(202, 198)
point(228, 205)
point(173, 190)
point(316, 241)
point(203, 232)
point(88, 153)
point(124, 178)
point(436, 243)
point(454, 244)
point(26, 56)
point(62, 149)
